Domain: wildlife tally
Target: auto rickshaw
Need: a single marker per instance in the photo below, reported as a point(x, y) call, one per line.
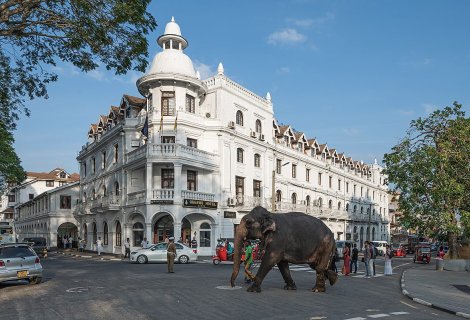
point(223, 251)
point(422, 254)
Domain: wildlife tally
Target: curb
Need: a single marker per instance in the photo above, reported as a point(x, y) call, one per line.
point(89, 257)
point(428, 304)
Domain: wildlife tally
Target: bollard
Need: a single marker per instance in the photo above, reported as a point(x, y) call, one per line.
point(439, 264)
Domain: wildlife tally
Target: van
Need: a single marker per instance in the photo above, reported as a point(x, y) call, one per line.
point(37, 243)
point(340, 244)
point(380, 245)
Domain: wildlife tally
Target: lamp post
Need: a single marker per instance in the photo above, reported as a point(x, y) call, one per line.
point(273, 188)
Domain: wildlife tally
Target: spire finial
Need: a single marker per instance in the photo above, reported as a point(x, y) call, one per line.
point(220, 68)
point(268, 96)
point(172, 19)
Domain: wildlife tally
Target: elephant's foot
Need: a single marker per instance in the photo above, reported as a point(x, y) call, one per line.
point(291, 286)
point(318, 289)
point(254, 288)
point(332, 277)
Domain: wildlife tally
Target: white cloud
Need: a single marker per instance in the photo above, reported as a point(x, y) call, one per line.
point(305, 23)
point(287, 36)
point(283, 70)
point(204, 70)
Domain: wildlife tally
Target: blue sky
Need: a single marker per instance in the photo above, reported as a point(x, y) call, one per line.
point(353, 74)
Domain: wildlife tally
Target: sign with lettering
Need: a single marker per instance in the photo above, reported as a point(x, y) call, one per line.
point(161, 201)
point(230, 214)
point(191, 203)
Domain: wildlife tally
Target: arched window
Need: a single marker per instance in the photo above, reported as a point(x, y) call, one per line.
point(355, 209)
point(330, 204)
point(347, 206)
point(95, 233)
point(278, 196)
point(320, 202)
point(362, 209)
point(239, 118)
point(339, 205)
point(257, 160)
point(105, 233)
point(258, 127)
point(138, 233)
point(307, 201)
point(205, 235)
point(104, 191)
point(118, 234)
point(116, 188)
point(94, 194)
point(240, 155)
point(294, 198)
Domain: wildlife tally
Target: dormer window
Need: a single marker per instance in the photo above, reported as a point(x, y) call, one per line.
point(239, 118)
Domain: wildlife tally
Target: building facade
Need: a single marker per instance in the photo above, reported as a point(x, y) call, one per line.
point(36, 205)
point(193, 156)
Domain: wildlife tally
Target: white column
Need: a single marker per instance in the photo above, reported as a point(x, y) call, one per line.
point(178, 183)
point(149, 182)
point(177, 230)
point(148, 232)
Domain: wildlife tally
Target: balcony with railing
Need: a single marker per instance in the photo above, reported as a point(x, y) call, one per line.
point(137, 197)
point(179, 152)
point(106, 203)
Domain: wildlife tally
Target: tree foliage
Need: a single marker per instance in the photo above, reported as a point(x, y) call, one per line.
point(430, 168)
point(36, 34)
point(10, 165)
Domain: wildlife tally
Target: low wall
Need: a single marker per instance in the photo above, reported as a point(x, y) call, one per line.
point(457, 265)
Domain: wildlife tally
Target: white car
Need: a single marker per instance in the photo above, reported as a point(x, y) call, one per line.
point(157, 253)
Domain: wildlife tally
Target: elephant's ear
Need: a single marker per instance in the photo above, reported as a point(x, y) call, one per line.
point(269, 225)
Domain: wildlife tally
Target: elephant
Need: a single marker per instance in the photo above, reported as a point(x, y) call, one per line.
point(286, 237)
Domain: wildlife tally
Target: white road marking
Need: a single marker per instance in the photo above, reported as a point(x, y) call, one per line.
point(228, 287)
point(357, 318)
point(380, 315)
point(77, 289)
point(399, 313)
point(409, 305)
point(317, 318)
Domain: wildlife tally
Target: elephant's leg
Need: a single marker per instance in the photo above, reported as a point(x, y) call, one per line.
point(285, 272)
point(320, 281)
point(268, 262)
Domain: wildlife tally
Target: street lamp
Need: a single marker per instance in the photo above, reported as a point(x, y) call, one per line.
point(273, 191)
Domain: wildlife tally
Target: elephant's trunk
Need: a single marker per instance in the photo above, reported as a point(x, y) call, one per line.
point(239, 237)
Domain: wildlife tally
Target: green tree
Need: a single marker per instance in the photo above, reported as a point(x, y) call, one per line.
point(430, 168)
point(36, 34)
point(10, 165)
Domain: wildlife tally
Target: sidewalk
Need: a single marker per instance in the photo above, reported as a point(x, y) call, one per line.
point(88, 255)
point(444, 290)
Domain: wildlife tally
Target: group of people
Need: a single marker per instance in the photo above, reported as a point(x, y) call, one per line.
point(351, 256)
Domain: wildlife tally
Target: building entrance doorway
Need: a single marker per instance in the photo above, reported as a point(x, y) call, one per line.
point(67, 235)
point(162, 229)
point(186, 231)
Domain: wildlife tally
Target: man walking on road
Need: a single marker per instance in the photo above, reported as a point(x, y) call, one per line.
point(171, 254)
point(127, 246)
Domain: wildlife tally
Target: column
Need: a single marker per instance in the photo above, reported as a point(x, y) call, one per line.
point(149, 182)
point(177, 230)
point(148, 232)
point(178, 182)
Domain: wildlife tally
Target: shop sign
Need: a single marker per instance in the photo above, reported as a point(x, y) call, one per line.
point(192, 203)
point(230, 214)
point(161, 201)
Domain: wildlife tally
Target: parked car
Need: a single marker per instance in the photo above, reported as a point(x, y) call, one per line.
point(18, 261)
point(38, 244)
point(157, 253)
point(380, 245)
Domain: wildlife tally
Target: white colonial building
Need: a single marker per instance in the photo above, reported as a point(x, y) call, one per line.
point(193, 156)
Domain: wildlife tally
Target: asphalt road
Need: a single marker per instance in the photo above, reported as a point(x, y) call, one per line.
point(78, 288)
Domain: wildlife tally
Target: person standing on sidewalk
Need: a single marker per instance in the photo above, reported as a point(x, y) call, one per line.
point(354, 257)
point(347, 260)
point(373, 255)
point(171, 254)
point(127, 249)
point(99, 246)
point(388, 261)
point(366, 259)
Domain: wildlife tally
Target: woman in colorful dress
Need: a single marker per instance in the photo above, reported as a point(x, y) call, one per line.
point(347, 260)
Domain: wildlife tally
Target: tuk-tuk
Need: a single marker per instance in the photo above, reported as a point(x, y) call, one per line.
point(422, 254)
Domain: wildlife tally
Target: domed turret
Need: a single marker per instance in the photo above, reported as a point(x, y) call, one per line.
point(172, 62)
